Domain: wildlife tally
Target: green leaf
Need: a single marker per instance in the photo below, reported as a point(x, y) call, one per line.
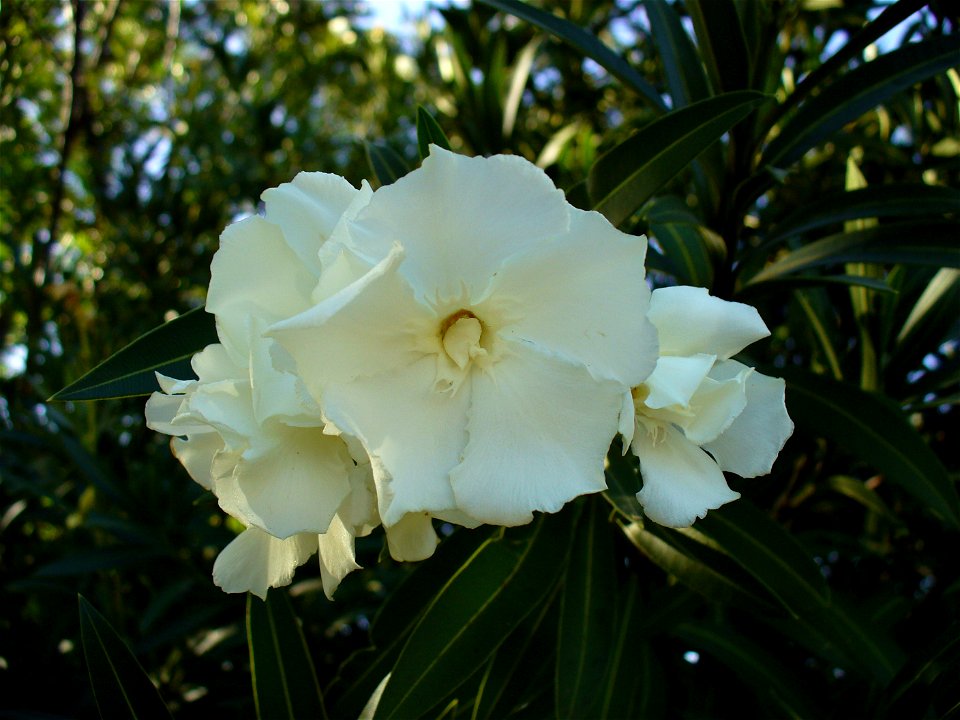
point(429, 133)
point(769, 553)
point(504, 581)
point(587, 613)
point(860, 90)
point(722, 44)
point(166, 349)
point(931, 243)
point(624, 178)
point(881, 201)
point(397, 617)
point(387, 164)
point(757, 668)
point(857, 490)
point(623, 482)
point(685, 251)
point(120, 686)
point(284, 682)
point(681, 61)
point(630, 681)
point(875, 430)
point(790, 281)
point(586, 43)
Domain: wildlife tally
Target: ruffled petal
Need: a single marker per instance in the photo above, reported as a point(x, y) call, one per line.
point(160, 411)
point(751, 444)
point(255, 274)
point(680, 481)
point(307, 210)
point(412, 539)
point(675, 380)
point(254, 561)
point(539, 430)
point(227, 406)
point(291, 482)
point(277, 394)
point(459, 219)
point(690, 321)
point(337, 556)
point(369, 327)
point(714, 407)
point(583, 297)
point(413, 435)
point(196, 453)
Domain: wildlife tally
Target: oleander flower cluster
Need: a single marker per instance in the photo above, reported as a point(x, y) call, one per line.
point(462, 345)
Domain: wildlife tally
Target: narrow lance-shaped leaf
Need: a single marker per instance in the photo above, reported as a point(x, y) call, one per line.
point(386, 163)
point(429, 133)
point(624, 178)
point(504, 581)
point(120, 686)
point(284, 682)
point(586, 43)
point(857, 92)
point(166, 349)
point(587, 614)
point(932, 243)
point(875, 430)
point(769, 553)
point(681, 61)
point(722, 43)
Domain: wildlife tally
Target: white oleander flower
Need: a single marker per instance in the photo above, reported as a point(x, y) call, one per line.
point(700, 413)
point(482, 357)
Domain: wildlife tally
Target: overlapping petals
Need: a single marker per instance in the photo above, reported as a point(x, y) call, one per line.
point(697, 401)
point(482, 357)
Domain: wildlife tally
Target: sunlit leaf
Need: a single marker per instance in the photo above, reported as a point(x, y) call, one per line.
point(583, 41)
point(166, 349)
point(120, 686)
point(624, 178)
point(429, 133)
point(284, 682)
point(858, 91)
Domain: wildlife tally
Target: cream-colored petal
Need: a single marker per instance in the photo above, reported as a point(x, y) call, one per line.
point(459, 219)
point(413, 435)
point(196, 453)
point(539, 431)
point(307, 210)
point(690, 321)
point(714, 407)
point(751, 444)
point(680, 481)
point(276, 393)
point(291, 481)
point(628, 420)
point(255, 561)
point(227, 406)
point(369, 327)
point(214, 363)
point(584, 298)
point(675, 380)
point(337, 556)
point(412, 539)
point(160, 411)
point(255, 273)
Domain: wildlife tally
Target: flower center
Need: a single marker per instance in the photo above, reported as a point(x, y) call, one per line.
point(461, 335)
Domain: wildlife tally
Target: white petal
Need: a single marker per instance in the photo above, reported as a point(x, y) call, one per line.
point(337, 556)
point(255, 273)
point(214, 363)
point(751, 444)
point(254, 561)
point(307, 210)
point(413, 434)
point(680, 481)
point(690, 321)
point(412, 539)
point(676, 379)
point(278, 394)
point(293, 481)
point(628, 419)
point(371, 326)
point(226, 405)
point(539, 430)
point(583, 297)
point(714, 407)
point(196, 453)
point(459, 218)
point(172, 386)
point(160, 411)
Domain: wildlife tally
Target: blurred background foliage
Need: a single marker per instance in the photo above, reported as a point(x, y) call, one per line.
point(133, 132)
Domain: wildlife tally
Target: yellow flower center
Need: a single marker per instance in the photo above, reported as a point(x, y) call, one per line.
point(461, 335)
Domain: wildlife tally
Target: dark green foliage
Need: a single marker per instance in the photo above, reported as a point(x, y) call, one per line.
point(774, 152)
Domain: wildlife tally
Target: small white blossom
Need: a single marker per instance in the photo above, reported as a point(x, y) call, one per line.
point(700, 413)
